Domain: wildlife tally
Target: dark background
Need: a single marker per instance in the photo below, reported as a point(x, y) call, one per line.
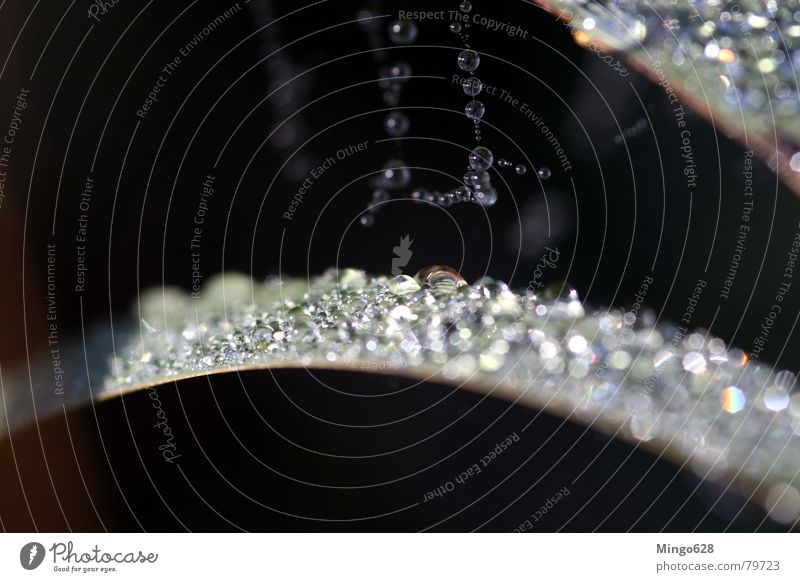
point(622, 213)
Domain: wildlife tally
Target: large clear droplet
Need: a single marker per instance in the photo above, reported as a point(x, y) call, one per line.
point(472, 86)
point(441, 278)
point(396, 124)
point(520, 169)
point(544, 173)
point(468, 60)
point(481, 158)
point(403, 31)
point(455, 27)
point(474, 110)
point(465, 6)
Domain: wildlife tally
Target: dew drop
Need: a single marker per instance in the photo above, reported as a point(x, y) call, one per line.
point(472, 178)
point(732, 399)
point(785, 380)
point(481, 158)
point(400, 72)
point(477, 179)
point(440, 277)
point(455, 27)
point(402, 31)
point(775, 398)
point(403, 285)
point(466, 6)
point(395, 175)
point(464, 194)
point(474, 110)
point(396, 124)
point(783, 502)
point(559, 290)
point(694, 362)
point(544, 173)
point(380, 196)
point(486, 197)
point(472, 86)
point(468, 60)
point(520, 169)
point(503, 163)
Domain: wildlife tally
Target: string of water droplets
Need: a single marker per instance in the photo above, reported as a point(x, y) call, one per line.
point(288, 89)
point(395, 174)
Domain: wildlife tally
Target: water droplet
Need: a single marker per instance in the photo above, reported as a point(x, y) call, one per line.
point(443, 199)
point(481, 158)
point(577, 344)
point(395, 175)
point(472, 178)
point(465, 6)
point(366, 219)
point(559, 290)
point(694, 362)
point(455, 27)
point(464, 194)
point(785, 380)
point(380, 196)
point(403, 285)
point(396, 124)
point(783, 503)
point(486, 197)
point(490, 362)
point(643, 426)
point(403, 31)
point(474, 110)
point(472, 86)
point(520, 169)
point(544, 173)
point(732, 399)
point(503, 163)
point(794, 163)
point(440, 277)
point(468, 60)
point(775, 398)
point(400, 72)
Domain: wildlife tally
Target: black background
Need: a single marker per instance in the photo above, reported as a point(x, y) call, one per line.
point(622, 213)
